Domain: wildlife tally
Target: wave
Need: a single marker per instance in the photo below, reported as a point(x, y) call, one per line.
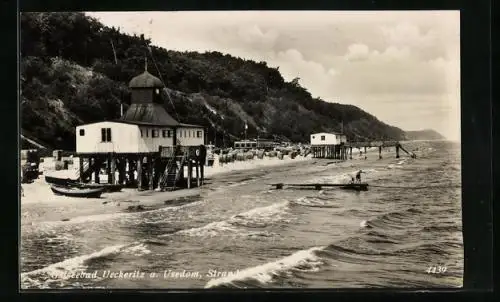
point(260, 217)
point(112, 216)
point(432, 249)
point(315, 202)
point(62, 270)
point(66, 269)
point(304, 260)
point(442, 228)
point(394, 220)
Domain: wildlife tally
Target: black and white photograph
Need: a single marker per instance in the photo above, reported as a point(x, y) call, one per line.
point(240, 150)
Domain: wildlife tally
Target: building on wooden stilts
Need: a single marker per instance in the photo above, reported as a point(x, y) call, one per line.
point(145, 148)
point(328, 145)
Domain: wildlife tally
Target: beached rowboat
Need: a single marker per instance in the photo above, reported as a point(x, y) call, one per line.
point(60, 181)
point(67, 182)
point(76, 192)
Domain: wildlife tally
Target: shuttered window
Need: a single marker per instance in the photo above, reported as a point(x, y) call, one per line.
point(198, 134)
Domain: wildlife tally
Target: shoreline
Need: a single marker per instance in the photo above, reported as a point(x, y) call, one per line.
point(38, 197)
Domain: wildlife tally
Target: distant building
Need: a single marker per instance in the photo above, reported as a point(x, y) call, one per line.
point(328, 145)
point(266, 144)
point(327, 138)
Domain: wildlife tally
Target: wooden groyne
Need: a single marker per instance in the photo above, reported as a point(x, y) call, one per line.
point(319, 186)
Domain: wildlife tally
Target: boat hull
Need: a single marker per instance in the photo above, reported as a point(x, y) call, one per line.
point(67, 182)
point(80, 193)
point(60, 181)
point(110, 188)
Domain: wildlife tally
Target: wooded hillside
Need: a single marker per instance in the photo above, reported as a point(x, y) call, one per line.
point(70, 75)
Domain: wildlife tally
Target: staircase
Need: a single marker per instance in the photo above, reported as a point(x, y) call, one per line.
point(172, 174)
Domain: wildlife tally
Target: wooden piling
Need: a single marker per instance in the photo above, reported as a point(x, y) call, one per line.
point(190, 173)
point(397, 151)
point(131, 169)
point(97, 170)
point(81, 169)
point(350, 152)
point(202, 172)
point(108, 167)
point(121, 170)
point(113, 171)
point(139, 172)
point(197, 174)
point(150, 172)
point(380, 152)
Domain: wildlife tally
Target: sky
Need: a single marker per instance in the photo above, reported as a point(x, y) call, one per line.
point(403, 67)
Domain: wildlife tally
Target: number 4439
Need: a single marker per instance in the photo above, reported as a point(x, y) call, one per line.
point(436, 269)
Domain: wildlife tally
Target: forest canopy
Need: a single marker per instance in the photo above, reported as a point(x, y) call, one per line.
point(75, 70)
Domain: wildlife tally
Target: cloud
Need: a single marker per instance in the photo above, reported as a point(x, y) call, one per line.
point(392, 64)
point(357, 52)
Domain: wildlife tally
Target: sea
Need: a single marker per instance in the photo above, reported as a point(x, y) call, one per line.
point(404, 232)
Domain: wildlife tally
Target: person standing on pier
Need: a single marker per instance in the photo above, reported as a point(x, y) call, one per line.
point(358, 176)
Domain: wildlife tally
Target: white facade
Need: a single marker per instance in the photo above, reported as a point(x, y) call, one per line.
point(117, 137)
point(325, 138)
point(151, 138)
point(124, 138)
point(190, 136)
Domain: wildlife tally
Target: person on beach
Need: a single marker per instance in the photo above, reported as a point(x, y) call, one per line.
point(358, 176)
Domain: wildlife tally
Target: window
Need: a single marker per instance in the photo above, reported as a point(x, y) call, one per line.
point(180, 133)
point(147, 132)
point(185, 133)
point(198, 134)
point(322, 137)
point(164, 133)
point(169, 133)
point(105, 135)
point(189, 133)
point(142, 134)
point(154, 133)
point(82, 132)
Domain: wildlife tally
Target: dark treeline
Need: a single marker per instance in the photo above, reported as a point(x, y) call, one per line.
point(76, 70)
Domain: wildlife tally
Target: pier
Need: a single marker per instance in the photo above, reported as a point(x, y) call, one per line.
point(343, 151)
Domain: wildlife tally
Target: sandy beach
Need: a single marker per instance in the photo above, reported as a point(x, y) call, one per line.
point(38, 197)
